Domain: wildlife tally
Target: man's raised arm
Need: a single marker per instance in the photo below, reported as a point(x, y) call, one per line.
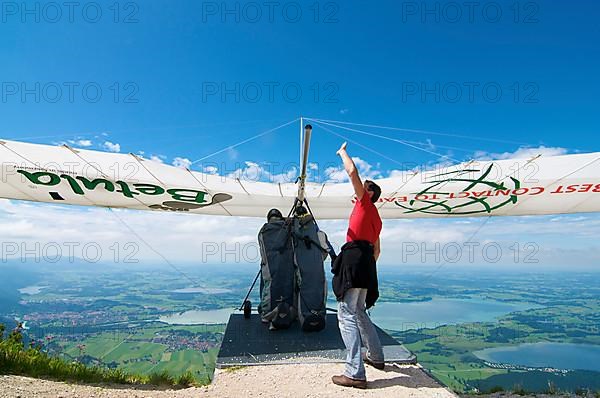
point(352, 171)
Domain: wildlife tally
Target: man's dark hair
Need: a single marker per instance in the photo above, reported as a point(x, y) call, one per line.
point(371, 186)
point(274, 213)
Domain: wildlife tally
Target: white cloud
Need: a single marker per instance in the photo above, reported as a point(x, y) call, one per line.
point(186, 238)
point(421, 232)
point(336, 174)
point(210, 170)
point(366, 171)
point(289, 176)
point(112, 147)
point(521, 153)
point(81, 143)
point(183, 163)
point(396, 173)
point(29, 230)
point(252, 171)
point(158, 158)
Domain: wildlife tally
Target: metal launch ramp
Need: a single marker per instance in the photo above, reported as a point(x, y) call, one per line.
point(250, 342)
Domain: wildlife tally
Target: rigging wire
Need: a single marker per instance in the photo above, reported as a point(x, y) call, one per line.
point(122, 221)
point(465, 165)
point(112, 211)
point(205, 157)
point(330, 123)
point(156, 251)
point(401, 141)
point(398, 141)
point(377, 153)
point(470, 240)
point(76, 153)
point(359, 144)
point(423, 132)
point(427, 276)
point(165, 259)
point(229, 147)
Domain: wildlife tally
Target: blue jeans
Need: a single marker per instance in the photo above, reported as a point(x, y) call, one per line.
point(356, 328)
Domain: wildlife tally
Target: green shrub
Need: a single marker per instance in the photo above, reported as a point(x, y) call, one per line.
point(186, 380)
point(161, 379)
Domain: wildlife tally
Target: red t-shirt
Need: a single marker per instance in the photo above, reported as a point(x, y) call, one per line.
point(365, 223)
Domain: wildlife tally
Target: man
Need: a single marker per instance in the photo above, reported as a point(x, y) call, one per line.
point(355, 280)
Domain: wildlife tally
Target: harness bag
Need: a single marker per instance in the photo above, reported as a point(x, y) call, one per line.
point(311, 284)
point(277, 298)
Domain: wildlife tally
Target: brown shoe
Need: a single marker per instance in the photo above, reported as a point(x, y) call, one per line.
point(346, 381)
point(376, 365)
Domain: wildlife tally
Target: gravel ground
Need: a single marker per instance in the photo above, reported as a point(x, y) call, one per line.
point(277, 381)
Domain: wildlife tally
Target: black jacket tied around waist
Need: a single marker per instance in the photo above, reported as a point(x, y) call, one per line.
point(355, 267)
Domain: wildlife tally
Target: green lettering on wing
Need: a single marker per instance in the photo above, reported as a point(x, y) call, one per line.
point(41, 177)
point(149, 189)
point(187, 195)
point(91, 185)
point(73, 184)
point(125, 190)
point(81, 185)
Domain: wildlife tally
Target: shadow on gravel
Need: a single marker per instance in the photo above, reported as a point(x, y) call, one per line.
point(409, 377)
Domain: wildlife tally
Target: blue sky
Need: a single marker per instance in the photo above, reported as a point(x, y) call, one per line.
point(532, 68)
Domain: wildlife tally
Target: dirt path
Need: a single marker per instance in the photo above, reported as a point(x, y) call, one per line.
point(277, 381)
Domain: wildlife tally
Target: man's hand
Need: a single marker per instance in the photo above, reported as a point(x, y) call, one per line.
point(350, 168)
point(377, 249)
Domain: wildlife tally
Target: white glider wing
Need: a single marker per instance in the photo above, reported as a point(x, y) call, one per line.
point(60, 174)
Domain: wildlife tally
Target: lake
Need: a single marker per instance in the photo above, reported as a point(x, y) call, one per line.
point(198, 317)
point(203, 290)
point(440, 311)
point(391, 316)
point(540, 355)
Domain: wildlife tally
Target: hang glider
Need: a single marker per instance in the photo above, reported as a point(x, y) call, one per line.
point(64, 175)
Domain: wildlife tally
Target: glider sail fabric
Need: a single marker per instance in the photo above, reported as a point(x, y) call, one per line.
point(63, 175)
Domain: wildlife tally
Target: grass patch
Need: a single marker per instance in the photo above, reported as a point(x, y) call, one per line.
point(31, 361)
